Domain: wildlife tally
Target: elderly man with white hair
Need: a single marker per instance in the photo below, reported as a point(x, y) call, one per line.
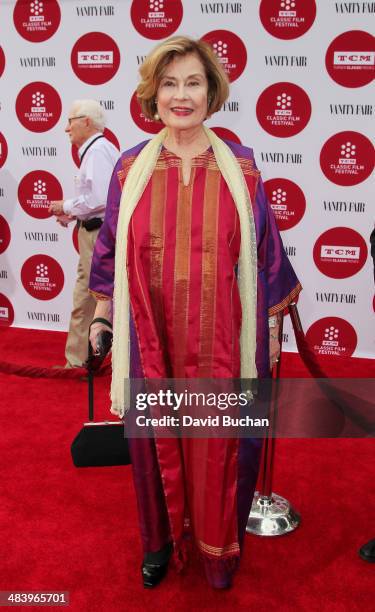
point(98, 156)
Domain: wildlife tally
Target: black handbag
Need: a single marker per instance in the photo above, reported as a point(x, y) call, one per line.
point(99, 444)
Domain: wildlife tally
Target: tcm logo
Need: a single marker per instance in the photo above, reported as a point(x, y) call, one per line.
point(39, 190)
point(278, 198)
point(36, 11)
point(348, 153)
point(4, 312)
point(347, 158)
point(156, 9)
point(156, 19)
point(230, 50)
point(38, 102)
point(287, 201)
point(287, 8)
point(331, 336)
point(350, 58)
point(287, 19)
point(343, 252)
point(221, 50)
point(354, 58)
point(283, 103)
point(42, 277)
point(41, 274)
point(91, 58)
point(283, 109)
point(152, 127)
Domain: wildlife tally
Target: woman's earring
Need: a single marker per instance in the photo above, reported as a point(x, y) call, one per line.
point(156, 114)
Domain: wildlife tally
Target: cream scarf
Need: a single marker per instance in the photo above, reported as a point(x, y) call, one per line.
point(135, 184)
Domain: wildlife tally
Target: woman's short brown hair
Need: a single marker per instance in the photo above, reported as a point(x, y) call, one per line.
point(152, 69)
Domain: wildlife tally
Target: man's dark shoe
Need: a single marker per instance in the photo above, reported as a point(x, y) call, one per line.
point(153, 574)
point(367, 552)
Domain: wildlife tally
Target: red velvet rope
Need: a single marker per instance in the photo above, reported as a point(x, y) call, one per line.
point(38, 372)
point(308, 356)
point(306, 353)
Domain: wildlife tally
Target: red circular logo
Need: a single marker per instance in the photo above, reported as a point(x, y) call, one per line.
point(36, 191)
point(283, 109)
point(350, 59)
point(226, 134)
point(75, 238)
point(287, 19)
point(2, 61)
point(156, 19)
point(287, 201)
point(332, 336)
point(36, 20)
point(6, 311)
point(230, 50)
point(4, 234)
point(145, 124)
point(347, 158)
point(340, 252)
point(95, 58)
point(107, 133)
point(38, 107)
point(3, 150)
point(42, 277)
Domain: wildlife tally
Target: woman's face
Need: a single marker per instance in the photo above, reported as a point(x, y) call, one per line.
point(182, 94)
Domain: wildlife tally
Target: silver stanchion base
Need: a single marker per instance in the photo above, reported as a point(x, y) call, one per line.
point(271, 516)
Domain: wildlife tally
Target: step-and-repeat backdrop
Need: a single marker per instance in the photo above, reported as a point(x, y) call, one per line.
point(301, 77)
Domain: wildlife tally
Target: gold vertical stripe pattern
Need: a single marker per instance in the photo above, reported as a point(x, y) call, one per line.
point(157, 235)
point(138, 276)
point(182, 272)
point(157, 227)
point(209, 272)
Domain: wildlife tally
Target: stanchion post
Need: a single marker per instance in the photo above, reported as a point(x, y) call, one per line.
point(294, 315)
point(90, 377)
point(270, 513)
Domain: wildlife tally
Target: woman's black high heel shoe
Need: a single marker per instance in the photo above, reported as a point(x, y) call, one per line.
point(155, 566)
point(153, 574)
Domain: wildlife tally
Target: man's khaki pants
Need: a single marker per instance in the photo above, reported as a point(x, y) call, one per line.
point(83, 302)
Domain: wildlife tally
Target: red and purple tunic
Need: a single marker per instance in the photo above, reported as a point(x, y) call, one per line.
point(183, 248)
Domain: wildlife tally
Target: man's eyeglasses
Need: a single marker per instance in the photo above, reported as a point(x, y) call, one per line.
point(70, 119)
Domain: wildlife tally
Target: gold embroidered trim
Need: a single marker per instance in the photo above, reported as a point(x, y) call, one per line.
point(207, 159)
point(99, 296)
point(167, 159)
point(278, 307)
point(209, 272)
point(219, 552)
point(126, 165)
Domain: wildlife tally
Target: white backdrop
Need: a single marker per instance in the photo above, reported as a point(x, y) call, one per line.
point(301, 75)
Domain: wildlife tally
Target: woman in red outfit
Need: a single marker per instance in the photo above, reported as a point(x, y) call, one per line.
point(198, 276)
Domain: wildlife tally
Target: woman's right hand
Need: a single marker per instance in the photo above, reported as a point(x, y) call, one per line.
point(103, 310)
point(95, 330)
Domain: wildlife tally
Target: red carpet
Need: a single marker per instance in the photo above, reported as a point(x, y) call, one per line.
point(66, 529)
